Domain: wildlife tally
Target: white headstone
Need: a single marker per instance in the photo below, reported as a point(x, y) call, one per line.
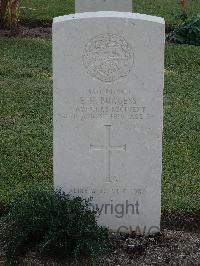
point(103, 5)
point(108, 114)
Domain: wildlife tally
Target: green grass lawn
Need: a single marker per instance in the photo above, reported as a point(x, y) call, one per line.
point(47, 9)
point(181, 164)
point(26, 118)
point(26, 113)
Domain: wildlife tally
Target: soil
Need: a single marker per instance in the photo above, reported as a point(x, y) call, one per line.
point(31, 28)
point(27, 31)
point(177, 244)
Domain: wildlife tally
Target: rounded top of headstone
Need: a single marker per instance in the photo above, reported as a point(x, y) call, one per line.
point(108, 57)
point(109, 14)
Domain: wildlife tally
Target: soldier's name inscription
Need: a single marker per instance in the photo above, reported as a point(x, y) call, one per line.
point(107, 104)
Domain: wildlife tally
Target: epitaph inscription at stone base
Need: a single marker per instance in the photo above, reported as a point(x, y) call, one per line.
point(103, 5)
point(108, 115)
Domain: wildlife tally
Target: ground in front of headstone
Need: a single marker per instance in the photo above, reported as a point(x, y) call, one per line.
point(171, 247)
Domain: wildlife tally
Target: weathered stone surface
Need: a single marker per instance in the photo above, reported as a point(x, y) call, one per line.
point(103, 5)
point(108, 114)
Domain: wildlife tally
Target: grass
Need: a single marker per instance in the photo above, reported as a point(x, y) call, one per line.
point(26, 118)
point(47, 9)
point(26, 113)
point(167, 9)
point(181, 173)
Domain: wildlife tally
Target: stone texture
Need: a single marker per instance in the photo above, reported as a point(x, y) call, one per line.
point(108, 114)
point(103, 5)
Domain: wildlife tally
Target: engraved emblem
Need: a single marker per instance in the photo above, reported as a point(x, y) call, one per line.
point(108, 57)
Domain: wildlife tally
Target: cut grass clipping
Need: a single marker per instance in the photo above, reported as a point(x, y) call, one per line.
point(54, 224)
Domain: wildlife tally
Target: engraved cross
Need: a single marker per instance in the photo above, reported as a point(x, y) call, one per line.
point(107, 148)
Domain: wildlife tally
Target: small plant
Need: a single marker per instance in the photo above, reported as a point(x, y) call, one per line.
point(186, 32)
point(9, 13)
point(54, 224)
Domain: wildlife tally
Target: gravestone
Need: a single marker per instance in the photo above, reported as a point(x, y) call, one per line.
point(103, 5)
point(108, 115)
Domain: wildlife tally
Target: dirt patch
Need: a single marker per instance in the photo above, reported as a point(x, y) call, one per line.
point(168, 248)
point(177, 244)
point(26, 31)
point(187, 222)
point(34, 23)
point(30, 28)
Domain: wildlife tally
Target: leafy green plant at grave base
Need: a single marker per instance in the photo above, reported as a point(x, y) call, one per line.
point(54, 223)
point(187, 32)
point(9, 13)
